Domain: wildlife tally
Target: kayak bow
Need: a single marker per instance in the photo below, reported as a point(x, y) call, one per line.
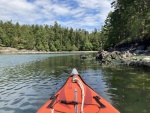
point(75, 96)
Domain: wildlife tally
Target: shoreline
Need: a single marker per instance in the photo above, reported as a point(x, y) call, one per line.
point(9, 50)
point(125, 58)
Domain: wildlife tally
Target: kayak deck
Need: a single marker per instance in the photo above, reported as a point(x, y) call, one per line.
point(76, 96)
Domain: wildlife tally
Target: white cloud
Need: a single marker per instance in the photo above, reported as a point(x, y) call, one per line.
point(86, 14)
point(103, 7)
point(60, 10)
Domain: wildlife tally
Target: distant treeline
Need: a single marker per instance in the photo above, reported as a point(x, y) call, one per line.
point(48, 38)
point(129, 21)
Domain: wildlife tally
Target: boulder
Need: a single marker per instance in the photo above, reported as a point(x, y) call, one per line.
point(102, 55)
point(114, 58)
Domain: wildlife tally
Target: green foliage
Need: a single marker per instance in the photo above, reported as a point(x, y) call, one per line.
point(129, 21)
point(131, 18)
point(87, 46)
point(47, 38)
point(52, 47)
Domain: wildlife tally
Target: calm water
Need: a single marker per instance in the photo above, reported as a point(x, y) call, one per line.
point(27, 81)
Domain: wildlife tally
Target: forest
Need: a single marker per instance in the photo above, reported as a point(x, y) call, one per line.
point(129, 21)
point(48, 37)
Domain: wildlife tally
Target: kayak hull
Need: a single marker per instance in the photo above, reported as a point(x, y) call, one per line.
point(69, 99)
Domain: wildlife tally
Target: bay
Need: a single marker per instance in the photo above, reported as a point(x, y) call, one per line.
point(27, 81)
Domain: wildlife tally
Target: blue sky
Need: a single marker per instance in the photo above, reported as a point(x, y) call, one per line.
point(84, 14)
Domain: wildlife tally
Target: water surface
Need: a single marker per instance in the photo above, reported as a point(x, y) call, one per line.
point(29, 80)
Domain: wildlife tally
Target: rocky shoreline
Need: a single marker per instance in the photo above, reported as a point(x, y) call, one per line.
point(125, 58)
point(133, 53)
point(105, 58)
point(9, 50)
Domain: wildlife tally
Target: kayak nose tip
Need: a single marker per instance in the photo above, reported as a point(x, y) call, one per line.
point(74, 72)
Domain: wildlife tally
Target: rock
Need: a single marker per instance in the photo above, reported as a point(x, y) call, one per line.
point(126, 54)
point(8, 50)
point(102, 55)
point(112, 58)
point(147, 59)
point(83, 57)
point(122, 58)
point(139, 63)
point(147, 51)
point(139, 52)
point(141, 47)
point(115, 54)
point(86, 57)
point(148, 48)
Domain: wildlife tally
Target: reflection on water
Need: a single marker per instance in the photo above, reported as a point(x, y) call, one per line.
point(27, 81)
point(133, 88)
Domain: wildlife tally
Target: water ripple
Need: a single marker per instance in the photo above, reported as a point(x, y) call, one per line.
point(26, 85)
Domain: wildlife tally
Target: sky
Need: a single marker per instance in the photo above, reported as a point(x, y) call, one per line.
point(84, 14)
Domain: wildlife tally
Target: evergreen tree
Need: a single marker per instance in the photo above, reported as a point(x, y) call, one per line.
point(47, 38)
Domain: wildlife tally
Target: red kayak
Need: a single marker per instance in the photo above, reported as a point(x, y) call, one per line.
point(75, 96)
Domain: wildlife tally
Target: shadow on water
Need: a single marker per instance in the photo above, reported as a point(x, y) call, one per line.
point(26, 86)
